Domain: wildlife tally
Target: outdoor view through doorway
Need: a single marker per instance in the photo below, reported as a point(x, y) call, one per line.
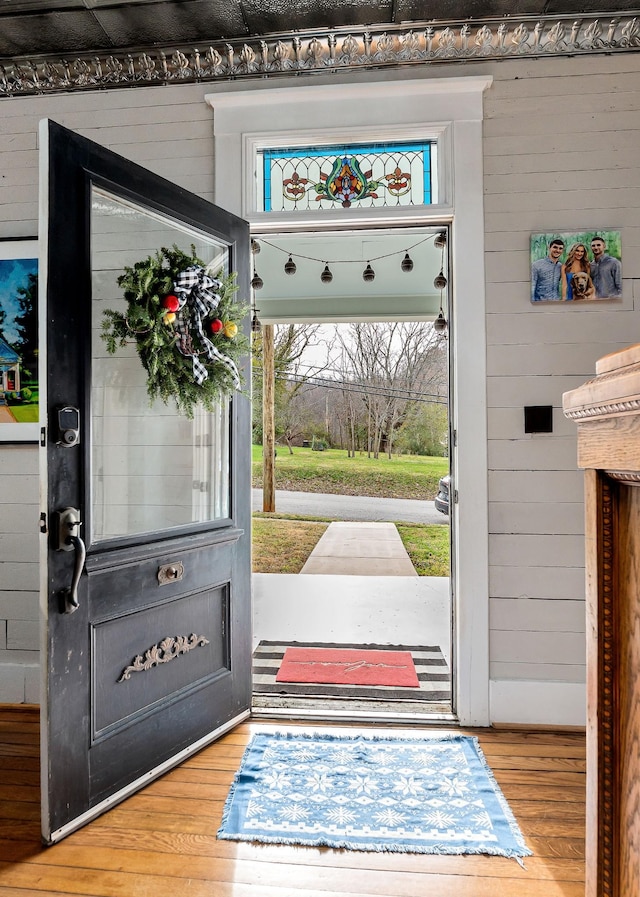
point(356, 556)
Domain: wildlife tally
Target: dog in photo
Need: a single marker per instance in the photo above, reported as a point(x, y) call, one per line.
point(582, 286)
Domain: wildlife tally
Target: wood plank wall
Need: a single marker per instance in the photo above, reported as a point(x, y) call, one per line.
point(560, 152)
point(561, 139)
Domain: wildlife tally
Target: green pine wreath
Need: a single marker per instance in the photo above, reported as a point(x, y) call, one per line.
point(162, 331)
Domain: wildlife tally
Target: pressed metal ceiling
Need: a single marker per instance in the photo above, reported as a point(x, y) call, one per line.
point(31, 28)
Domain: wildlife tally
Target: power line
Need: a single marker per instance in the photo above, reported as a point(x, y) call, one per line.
point(366, 389)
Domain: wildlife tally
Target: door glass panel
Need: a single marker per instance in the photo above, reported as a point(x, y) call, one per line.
point(151, 468)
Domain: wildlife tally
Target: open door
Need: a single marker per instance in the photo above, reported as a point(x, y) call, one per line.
point(147, 640)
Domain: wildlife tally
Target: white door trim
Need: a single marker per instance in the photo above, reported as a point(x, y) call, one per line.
point(453, 106)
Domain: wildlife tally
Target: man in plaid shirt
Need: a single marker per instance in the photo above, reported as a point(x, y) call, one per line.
point(545, 274)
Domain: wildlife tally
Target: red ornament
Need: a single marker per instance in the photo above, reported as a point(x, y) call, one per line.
point(216, 325)
point(171, 302)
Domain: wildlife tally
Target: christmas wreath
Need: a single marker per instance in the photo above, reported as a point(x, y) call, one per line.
point(185, 324)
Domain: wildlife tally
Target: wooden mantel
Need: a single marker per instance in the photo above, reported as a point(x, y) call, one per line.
point(607, 411)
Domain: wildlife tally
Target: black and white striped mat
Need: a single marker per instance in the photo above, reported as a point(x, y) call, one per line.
point(433, 674)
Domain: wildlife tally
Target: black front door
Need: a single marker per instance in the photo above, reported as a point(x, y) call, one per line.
point(147, 646)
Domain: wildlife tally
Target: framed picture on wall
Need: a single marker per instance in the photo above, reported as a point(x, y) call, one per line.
point(19, 387)
point(576, 267)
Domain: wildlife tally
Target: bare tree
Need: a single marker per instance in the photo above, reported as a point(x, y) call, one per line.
point(394, 365)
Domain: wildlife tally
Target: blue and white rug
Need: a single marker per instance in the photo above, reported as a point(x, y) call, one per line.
point(432, 794)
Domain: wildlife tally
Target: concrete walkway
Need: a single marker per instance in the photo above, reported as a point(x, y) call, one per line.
point(360, 549)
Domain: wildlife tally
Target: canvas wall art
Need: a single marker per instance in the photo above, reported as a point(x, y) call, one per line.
point(19, 388)
point(576, 267)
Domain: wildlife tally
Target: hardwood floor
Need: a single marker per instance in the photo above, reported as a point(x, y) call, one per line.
point(162, 841)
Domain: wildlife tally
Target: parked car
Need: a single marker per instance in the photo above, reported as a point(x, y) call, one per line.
point(442, 498)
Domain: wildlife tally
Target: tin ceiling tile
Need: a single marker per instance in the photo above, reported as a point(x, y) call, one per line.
point(190, 20)
point(459, 10)
point(55, 32)
point(277, 16)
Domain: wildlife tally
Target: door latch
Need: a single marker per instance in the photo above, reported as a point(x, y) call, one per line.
point(68, 539)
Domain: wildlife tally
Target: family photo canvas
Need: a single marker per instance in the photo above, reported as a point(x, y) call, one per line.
point(576, 267)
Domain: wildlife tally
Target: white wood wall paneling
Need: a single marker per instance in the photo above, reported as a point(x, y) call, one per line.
point(543, 672)
point(568, 162)
point(540, 550)
point(562, 141)
point(537, 647)
point(544, 583)
point(508, 423)
point(166, 119)
point(574, 359)
point(18, 605)
point(617, 326)
point(544, 389)
point(537, 615)
point(514, 298)
point(536, 517)
point(532, 453)
point(23, 635)
point(536, 485)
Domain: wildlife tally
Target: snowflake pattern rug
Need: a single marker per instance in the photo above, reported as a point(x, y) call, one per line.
point(432, 794)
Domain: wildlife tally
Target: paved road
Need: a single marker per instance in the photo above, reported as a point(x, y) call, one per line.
point(352, 507)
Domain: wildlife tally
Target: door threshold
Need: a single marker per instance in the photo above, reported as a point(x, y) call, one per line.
point(389, 717)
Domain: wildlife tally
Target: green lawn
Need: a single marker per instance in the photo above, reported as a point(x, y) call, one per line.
point(281, 544)
point(404, 476)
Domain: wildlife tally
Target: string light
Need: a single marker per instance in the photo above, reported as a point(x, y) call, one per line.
point(407, 263)
point(326, 276)
point(440, 324)
point(368, 274)
point(440, 281)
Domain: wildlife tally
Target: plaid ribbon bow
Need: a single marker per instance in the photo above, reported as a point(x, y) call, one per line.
point(199, 294)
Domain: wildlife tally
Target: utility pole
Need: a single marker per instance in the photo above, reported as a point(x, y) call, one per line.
point(268, 420)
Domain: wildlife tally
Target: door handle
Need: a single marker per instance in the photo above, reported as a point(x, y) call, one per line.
point(69, 524)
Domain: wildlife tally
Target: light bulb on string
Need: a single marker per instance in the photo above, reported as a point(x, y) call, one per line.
point(440, 281)
point(407, 263)
point(256, 326)
point(326, 276)
point(256, 281)
point(440, 323)
point(368, 274)
point(290, 266)
point(255, 247)
point(440, 240)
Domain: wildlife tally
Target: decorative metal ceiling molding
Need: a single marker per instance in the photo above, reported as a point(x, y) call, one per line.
point(423, 44)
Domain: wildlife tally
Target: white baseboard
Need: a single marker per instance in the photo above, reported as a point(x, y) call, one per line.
point(19, 683)
point(538, 702)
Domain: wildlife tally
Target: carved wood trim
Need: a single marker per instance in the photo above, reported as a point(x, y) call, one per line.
point(606, 710)
point(631, 405)
point(632, 477)
point(165, 651)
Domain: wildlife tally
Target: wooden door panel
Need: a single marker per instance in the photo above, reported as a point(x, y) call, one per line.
point(156, 659)
point(135, 666)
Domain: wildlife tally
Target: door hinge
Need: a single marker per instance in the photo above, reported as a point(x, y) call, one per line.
point(455, 496)
point(43, 522)
point(43, 436)
point(455, 437)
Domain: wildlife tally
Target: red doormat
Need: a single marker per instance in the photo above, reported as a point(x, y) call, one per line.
point(340, 666)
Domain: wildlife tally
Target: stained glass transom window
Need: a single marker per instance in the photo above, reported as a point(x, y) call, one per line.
point(360, 175)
